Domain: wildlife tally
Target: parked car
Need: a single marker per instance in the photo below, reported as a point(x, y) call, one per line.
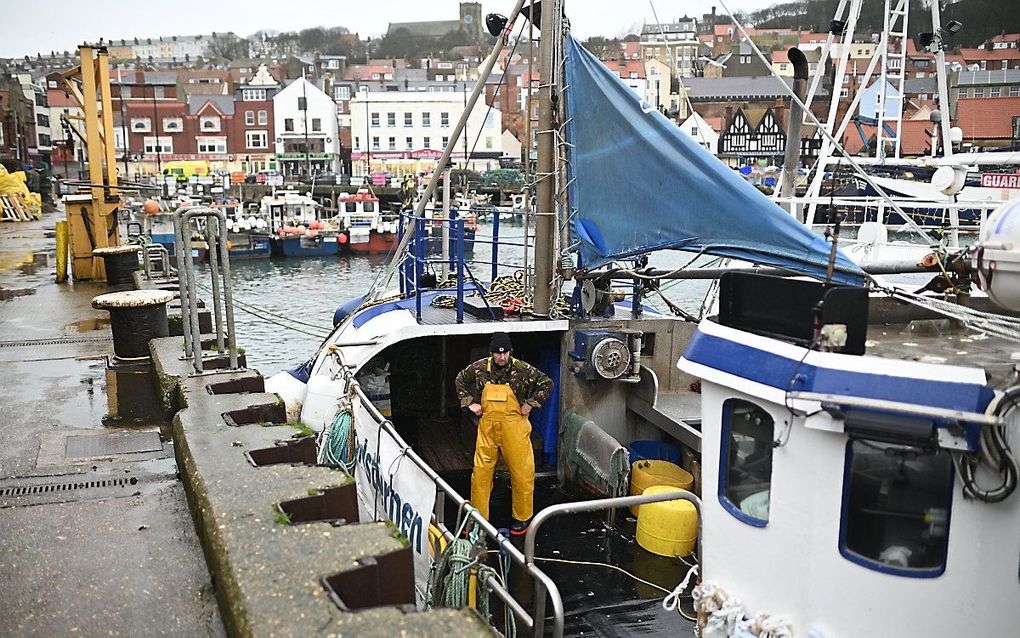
point(264, 176)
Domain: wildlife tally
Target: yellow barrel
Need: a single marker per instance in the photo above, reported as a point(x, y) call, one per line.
point(667, 528)
point(644, 474)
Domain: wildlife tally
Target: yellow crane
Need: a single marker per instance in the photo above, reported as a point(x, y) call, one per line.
point(92, 212)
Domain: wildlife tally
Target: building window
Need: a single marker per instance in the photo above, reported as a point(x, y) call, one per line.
point(173, 124)
point(391, 119)
point(408, 120)
point(964, 92)
point(490, 120)
point(159, 92)
point(444, 119)
point(488, 143)
point(426, 119)
point(158, 145)
point(979, 91)
point(393, 144)
point(256, 139)
point(316, 124)
point(263, 118)
point(374, 119)
point(209, 123)
point(844, 92)
point(357, 142)
point(427, 142)
point(446, 141)
point(994, 92)
point(375, 143)
point(211, 144)
point(249, 118)
point(1014, 91)
point(896, 501)
point(409, 143)
point(745, 463)
point(141, 125)
point(288, 125)
point(253, 95)
point(342, 92)
point(745, 59)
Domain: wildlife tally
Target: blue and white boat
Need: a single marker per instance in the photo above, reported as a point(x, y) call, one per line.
point(298, 225)
point(841, 493)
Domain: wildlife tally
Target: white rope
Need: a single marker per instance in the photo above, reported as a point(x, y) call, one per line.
point(670, 602)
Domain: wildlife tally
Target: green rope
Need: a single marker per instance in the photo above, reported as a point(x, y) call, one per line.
point(450, 580)
point(336, 442)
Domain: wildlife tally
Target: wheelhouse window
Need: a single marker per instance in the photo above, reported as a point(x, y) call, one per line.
point(896, 502)
point(745, 466)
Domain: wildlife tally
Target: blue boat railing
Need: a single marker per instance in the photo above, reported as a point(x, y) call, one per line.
point(419, 260)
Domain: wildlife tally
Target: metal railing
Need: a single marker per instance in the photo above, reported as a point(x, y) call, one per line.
point(533, 621)
point(219, 269)
point(530, 539)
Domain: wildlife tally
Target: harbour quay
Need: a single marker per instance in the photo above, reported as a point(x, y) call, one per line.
point(134, 493)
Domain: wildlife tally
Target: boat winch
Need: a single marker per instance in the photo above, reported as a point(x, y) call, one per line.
point(607, 354)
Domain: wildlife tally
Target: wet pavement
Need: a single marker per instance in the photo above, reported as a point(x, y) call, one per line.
point(97, 535)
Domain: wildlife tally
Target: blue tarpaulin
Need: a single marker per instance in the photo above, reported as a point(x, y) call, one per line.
point(640, 184)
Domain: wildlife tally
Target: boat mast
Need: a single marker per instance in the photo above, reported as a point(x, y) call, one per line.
point(545, 222)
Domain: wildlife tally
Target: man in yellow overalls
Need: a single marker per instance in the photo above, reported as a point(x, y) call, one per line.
point(502, 391)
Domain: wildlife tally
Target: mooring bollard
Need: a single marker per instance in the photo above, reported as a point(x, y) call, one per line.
point(120, 262)
point(136, 316)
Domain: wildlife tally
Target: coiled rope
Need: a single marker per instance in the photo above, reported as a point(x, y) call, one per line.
point(335, 444)
point(507, 292)
point(450, 580)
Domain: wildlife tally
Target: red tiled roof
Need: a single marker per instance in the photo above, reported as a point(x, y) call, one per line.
point(780, 56)
point(915, 139)
point(987, 118)
point(985, 54)
point(626, 67)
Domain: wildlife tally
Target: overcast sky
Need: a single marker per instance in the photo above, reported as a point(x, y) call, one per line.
point(58, 25)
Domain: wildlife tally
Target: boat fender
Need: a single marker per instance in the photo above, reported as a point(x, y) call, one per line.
point(291, 389)
point(347, 308)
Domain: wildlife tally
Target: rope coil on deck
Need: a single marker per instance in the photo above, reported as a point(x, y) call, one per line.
point(507, 292)
point(335, 444)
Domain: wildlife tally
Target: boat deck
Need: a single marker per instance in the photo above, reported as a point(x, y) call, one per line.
point(940, 341)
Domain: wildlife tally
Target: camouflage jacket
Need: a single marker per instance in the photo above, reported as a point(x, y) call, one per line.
point(527, 382)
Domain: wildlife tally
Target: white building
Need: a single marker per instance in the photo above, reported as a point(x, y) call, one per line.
point(305, 121)
point(677, 41)
point(35, 92)
point(701, 132)
point(405, 132)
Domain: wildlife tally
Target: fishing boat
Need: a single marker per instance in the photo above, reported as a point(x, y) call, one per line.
point(364, 230)
point(298, 226)
point(839, 492)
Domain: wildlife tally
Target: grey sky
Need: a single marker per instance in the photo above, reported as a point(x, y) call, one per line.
point(45, 25)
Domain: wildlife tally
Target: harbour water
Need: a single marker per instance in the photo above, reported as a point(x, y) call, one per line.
point(284, 307)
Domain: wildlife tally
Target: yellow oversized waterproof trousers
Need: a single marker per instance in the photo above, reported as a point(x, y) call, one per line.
point(503, 427)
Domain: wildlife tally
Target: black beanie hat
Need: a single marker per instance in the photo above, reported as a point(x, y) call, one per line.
point(500, 342)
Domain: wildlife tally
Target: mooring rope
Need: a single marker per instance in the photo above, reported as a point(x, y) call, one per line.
point(335, 444)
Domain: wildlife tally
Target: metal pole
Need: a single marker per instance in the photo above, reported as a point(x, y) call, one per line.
point(495, 245)
point(460, 270)
point(189, 272)
point(228, 295)
point(179, 225)
point(791, 159)
point(446, 223)
point(545, 224)
point(212, 241)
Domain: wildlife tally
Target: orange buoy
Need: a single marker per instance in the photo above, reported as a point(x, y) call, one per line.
point(341, 238)
point(150, 207)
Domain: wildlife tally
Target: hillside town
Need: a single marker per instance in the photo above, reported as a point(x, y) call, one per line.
point(272, 105)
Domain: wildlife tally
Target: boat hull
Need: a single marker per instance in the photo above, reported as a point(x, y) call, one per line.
point(375, 243)
point(301, 246)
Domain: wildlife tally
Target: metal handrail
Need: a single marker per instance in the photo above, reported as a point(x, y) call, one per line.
point(187, 284)
point(543, 582)
point(589, 506)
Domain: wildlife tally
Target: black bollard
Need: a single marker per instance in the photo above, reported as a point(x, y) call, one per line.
point(120, 262)
point(136, 316)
